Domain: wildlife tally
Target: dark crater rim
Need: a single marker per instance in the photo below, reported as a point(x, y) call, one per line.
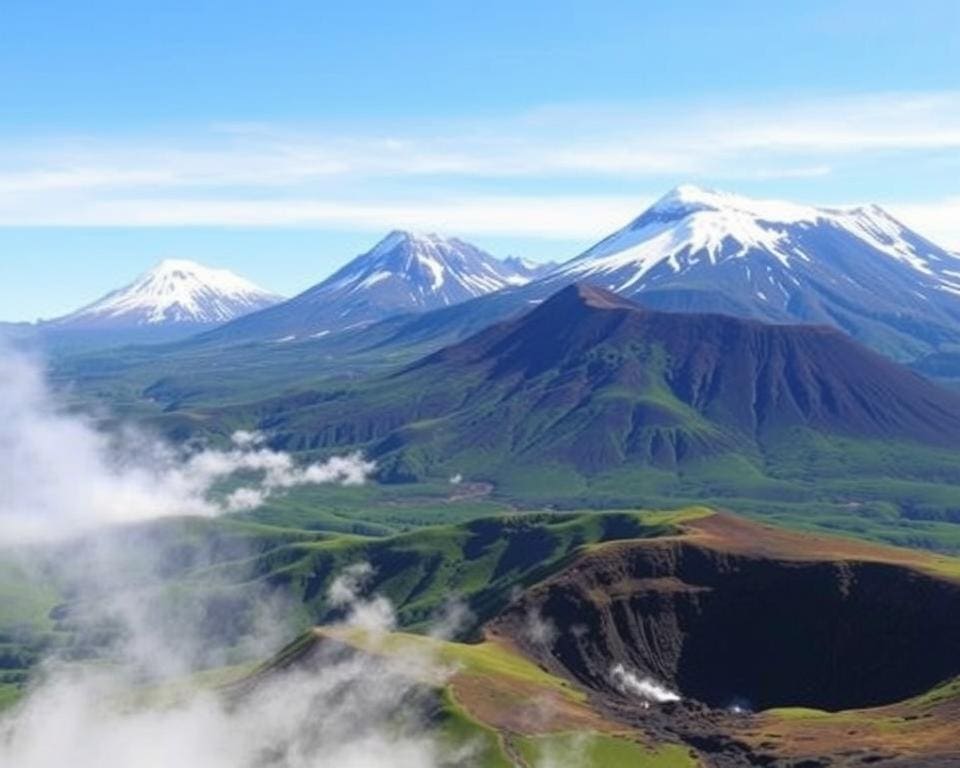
point(726, 629)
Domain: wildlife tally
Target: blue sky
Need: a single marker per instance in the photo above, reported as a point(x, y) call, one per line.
point(281, 139)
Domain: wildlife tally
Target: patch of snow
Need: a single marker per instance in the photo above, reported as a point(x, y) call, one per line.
point(691, 224)
point(437, 270)
point(376, 277)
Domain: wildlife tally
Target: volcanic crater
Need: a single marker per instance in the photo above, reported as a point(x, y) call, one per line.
point(732, 613)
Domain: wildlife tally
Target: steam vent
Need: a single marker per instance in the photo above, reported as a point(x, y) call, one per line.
point(737, 614)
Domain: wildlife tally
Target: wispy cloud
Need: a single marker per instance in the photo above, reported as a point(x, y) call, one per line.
point(547, 216)
point(431, 173)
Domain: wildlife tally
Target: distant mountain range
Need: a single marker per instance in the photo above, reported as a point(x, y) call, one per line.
point(694, 250)
point(403, 273)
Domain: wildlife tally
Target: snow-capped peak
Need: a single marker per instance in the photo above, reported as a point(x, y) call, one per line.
point(689, 198)
point(404, 273)
point(428, 250)
point(175, 291)
point(427, 268)
point(691, 226)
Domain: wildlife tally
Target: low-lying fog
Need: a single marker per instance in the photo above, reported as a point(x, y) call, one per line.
point(61, 478)
point(63, 481)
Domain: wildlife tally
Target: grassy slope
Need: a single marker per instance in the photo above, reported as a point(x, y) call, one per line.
point(540, 442)
point(497, 739)
point(27, 629)
point(233, 564)
point(144, 381)
point(523, 444)
point(377, 510)
point(480, 561)
point(592, 749)
point(223, 570)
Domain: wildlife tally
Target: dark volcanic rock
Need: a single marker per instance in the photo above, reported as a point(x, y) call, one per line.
point(720, 627)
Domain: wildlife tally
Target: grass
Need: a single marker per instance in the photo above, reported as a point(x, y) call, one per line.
point(498, 666)
point(10, 694)
point(947, 691)
point(486, 659)
point(374, 509)
point(601, 751)
point(570, 439)
point(479, 561)
point(217, 574)
point(458, 731)
point(26, 599)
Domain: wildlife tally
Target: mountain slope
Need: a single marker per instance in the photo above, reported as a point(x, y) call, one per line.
point(857, 269)
point(404, 272)
point(589, 383)
point(175, 292)
point(696, 250)
point(531, 270)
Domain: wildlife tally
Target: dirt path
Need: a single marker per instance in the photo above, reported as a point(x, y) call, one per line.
point(510, 750)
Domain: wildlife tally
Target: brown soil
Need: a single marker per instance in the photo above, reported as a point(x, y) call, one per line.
point(732, 612)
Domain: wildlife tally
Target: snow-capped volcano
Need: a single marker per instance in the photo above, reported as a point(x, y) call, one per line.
point(691, 226)
point(856, 268)
point(175, 292)
point(405, 272)
point(424, 271)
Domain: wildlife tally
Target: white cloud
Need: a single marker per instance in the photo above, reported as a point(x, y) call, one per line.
point(483, 176)
point(350, 711)
point(348, 586)
point(59, 475)
point(538, 629)
point(643, 139)
point(549, 217)
point(553, 217)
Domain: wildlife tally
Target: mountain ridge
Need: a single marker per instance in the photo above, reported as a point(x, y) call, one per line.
point(806, 272)
point(405, 272)
point(857, 268)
